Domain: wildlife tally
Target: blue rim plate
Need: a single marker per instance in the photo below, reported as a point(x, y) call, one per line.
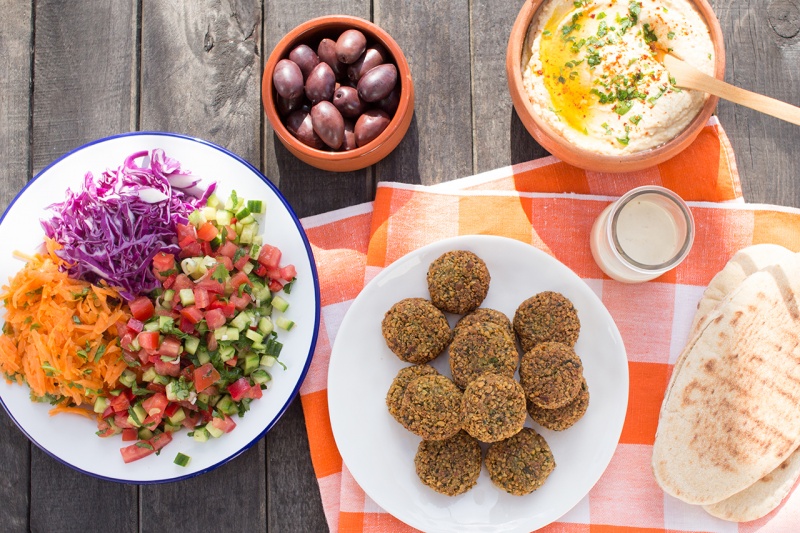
point(71, 439)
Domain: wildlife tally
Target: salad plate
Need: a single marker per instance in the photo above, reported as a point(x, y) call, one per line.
point(379, 452)
point(71, 439)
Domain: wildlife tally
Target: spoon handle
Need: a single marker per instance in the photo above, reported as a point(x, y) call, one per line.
point(690, 78)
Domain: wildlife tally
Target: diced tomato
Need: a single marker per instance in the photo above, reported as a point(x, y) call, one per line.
point(163, 263)
point(225, 261)
point(211, 341)
point(240, 278)
point(152, 421)
point(135, 325)
point(170, 346)
point(148, 340)
point(104, 429)
point(191, 420)
point(215, 318)
point(238, 389)
point(269, 256)
point(207, 232)
point(240, 302)
point(120, 403)
point(289, 272)
point(171, 409)
point(170, 281)
point(188, 405)
point(185, 231)
point(205, 248)
point(260, 270)
point(121, 420)
point(254, 393)
point(155, 404)
point(126, 340)
point(230, 234)
point(192, 314)
point(156, 387)
point(201, 298)
point(232, 361)
point(211, 285)
point(137, 451)
point(205, 376)
point(192, 249)
point(129, 434)
point(275, 285)
point(141, 308)
point(143, 356)
point(225, 424)
point(160, 440)
point(167, 369)
point(108, 412)
point(241, 262)
point(228, 249)
point(227, 308)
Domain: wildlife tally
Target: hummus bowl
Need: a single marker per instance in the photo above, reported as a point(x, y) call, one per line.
point(584, 80)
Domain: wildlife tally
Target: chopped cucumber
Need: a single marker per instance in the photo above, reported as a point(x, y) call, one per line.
point(260, 376)
point(169, 294)
point(213, 200)
point(284, 323)
point(200, 434)
point(187, 297)
point(214, 432)
point(268, 360)
point(149, 375)
point(196, 218)
point(254, 336)
point(265, 326)
point(178, 417)
point(190, 344)
point(145, 433)
point(100, 404)
point(255, 206)
point(209, 213)
point(241, 321)
point(251, 361)
point(224, 218)
point(182, 459)
point(226, 353)
point(280, 304)
point(128, 378)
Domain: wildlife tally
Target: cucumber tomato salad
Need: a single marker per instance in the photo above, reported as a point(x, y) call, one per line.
point(202, 345)
point(205, 307)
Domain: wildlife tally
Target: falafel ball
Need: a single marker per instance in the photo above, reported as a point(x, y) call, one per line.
point(394, 398)
point(551, 375)
point(484, 314)
point(563, 417)
point(547, 316)
point(415, 330)
point(432, 407)
point(480, 348)
point(493, 407)
point(458, 281)
point(451, 466)
point(521, 464)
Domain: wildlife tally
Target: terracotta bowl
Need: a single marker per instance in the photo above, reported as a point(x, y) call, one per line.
point(557, 145)
point(311, 33)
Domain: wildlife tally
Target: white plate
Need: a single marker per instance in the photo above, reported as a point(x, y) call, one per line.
point(379, 452)
point(71, 439)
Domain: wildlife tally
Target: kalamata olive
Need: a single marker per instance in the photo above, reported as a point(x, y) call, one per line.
point(287, 105)
point(328, 123)
point(288, 79)
point(305, 58)
point(320, 83)
point(299, 124)
point(327, 54)
point(369, 125)
point(377, 83)
point(349, 142)
point(350, 45)
point(347, 102)
point(371, 58)
point(391, 102)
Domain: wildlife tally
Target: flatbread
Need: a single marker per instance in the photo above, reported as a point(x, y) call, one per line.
point(730, 417)
point(743, 263)
point(761, 497)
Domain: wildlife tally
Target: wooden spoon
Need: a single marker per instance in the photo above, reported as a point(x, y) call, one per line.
point(689, 77)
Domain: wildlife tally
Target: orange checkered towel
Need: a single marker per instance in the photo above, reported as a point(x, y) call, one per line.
point(552, 206)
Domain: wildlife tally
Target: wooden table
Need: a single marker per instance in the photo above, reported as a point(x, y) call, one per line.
point(73, 71)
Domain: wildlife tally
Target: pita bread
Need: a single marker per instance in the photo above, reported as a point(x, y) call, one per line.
point(761, 497)
point(743, 263)
point(730, 417)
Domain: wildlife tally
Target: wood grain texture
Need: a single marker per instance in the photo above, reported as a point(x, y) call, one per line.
point(16, 33)
point(83, 83)
point(84, 74)
point(309, 190)
point(762, 42)
point(200, 76)
point(201, 71)
point(434, 36)
point(498, 135)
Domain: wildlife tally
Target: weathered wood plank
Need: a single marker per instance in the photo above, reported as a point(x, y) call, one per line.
point(435, 39)
point(308, 189)
point(16, 33)
point(82, 86)
point(200, 65)
point(499, 137)
point(763, 51)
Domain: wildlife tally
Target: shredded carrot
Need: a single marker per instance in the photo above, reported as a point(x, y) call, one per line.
point(60, 335)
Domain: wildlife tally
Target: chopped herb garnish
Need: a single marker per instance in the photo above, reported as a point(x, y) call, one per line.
point(602, 29)
point(601, 15)
point(636, 119)
point(623, 107)
point(144, 444)
point(671, 35)
point(76, 319)
point(649, 35)
point(99, 353)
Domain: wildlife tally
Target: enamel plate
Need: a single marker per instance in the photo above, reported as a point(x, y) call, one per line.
point(71, 439)
point(379, 452)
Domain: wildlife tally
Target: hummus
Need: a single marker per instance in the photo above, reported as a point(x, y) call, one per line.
point(590, 70)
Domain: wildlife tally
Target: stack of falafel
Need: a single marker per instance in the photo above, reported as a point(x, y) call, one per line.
point(483, 402)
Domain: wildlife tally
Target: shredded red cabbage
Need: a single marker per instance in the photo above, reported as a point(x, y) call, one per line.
point(113, 227)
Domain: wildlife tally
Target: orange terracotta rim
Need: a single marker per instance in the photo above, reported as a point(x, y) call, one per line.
point(361, 157)
point(557, 145)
